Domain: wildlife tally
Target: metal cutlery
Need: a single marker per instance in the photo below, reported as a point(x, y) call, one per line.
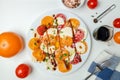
point(104, 13)
point(99, 67)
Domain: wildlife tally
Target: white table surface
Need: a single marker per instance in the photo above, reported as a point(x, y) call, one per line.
point(18, 15)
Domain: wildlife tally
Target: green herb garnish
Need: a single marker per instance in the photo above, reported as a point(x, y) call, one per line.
point(63, 56)
point(61, 31)
point(48, 68)
point(43, 47)
point(46, 60)
point(32, 29)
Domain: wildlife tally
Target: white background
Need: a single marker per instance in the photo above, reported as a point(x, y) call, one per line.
point(18, 15)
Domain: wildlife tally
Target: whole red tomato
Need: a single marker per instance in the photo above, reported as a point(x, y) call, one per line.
point(116, 23)
point(92, 4)
point(22, 70)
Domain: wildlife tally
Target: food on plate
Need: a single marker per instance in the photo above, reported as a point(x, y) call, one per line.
point(75, 23)
point(66, 41)
point(10, 44)
point(22, 70)
point(61, 54)
point(117, 37)
point(79, 35)
point(76, 59)
point(61, 45)
point(71, 3)
point(60, 20)
point(34, 43)
point(64, 66)
point(81, 47)
point(41, 29)
point(39, 55)
point(116, 23)
point(92, 4)
point(47, 21)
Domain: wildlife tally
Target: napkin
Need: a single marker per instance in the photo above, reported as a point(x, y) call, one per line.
point(110, 71)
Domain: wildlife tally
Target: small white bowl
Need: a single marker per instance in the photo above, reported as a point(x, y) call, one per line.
point(81, 3)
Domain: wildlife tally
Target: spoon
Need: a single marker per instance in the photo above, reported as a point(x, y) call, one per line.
point(99, 67)
point(104, 13)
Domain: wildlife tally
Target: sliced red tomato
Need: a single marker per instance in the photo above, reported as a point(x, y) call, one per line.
point(76, 59)
point(22, 70)
point(116, 23)
point(61, 20)
point(41, 29)
point(62, 16)
point(79, 35)
point(92, 4)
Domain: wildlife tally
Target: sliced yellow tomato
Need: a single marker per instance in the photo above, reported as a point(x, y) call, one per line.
point(39, 55)
point(75, 23)
point(66, 41)
point(47, 21)
point(61, 54)
point(34, 43)
point(64, 67)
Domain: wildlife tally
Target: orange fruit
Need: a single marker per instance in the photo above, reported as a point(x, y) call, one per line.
point(10, 44)
point(117, 37)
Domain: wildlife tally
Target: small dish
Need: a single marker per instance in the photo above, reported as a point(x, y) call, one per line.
point(72, 4)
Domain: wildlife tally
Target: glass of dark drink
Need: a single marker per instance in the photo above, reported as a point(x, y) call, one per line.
point(103, 33)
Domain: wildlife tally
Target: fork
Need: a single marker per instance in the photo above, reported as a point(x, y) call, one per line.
point(99, 68)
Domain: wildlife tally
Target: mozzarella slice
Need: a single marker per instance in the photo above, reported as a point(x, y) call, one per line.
point(51, 49)
point(60, 21)
point(43, 47)
point(81, 47)
point(72, 52)
point(52, 31)
point(67, 31)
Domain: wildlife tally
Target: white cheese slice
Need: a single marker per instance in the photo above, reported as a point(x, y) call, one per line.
point(51, 49)
point(52, 31)
point(43, 47)
point(71, 51)
point(67, 31)
point(60, 21)
point(80, 47)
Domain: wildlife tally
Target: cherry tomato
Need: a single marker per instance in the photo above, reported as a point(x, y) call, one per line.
point(92, 4)
point(116, 23)
point(41, 29)
point(22, 70)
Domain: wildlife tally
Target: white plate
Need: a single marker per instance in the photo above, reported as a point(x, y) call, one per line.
point(42, 66)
